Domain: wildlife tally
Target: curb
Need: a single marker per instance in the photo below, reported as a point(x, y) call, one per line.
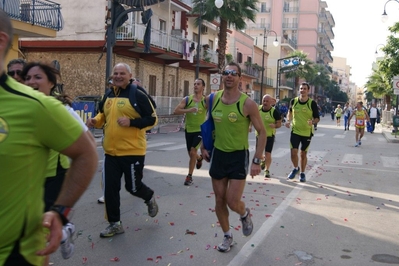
point(389, 137)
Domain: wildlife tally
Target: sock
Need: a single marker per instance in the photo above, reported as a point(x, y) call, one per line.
point(189, 175)
point(228, 233)
point(245, 214)
point(64, 235)
point(118, 223)
point(302, 172)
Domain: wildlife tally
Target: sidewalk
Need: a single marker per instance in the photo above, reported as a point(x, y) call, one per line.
point(387, 133)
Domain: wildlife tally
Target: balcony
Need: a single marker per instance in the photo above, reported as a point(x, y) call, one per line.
point(329, 44)
point(265, 10)
point(291, 9)
point(323, 17)
point(42, 13)
point(321, 31)
point(258, 26)
point(252, 70)
point(329, 32)
point(285, 41)
point(290, 26)
point(162, 40)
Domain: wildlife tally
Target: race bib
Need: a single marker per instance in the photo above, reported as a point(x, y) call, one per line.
point(360, 122)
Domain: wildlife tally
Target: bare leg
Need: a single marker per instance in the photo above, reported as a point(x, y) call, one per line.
point(193, 160)
point(268, 160)
point(294, 157)
point(304, 160)
point(222, 212)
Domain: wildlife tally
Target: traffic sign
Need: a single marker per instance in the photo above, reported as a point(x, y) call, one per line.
point(215, 79)
point(396, 82)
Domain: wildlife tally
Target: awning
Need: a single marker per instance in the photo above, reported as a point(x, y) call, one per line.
point(285, 88)
point(139, 3)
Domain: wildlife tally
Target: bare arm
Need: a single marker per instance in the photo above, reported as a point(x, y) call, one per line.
point(180, 108)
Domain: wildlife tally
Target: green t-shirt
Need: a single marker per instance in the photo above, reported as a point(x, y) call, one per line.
point(301, 113)
point(231, 127)
point(269, 117)
point(194, 120)
point(30, 125)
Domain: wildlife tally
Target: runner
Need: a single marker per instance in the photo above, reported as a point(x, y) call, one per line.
point(360, 116)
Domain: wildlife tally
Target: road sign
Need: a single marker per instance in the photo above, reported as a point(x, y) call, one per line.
point(215, 79)
point(396, 85)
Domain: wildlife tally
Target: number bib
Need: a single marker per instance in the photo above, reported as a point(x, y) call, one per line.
point(359, 122)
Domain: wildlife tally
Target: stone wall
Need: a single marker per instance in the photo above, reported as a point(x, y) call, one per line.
point(83, 73)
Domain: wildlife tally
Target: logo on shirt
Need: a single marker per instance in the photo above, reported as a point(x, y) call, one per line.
point(232, 117)
point(3, 129)
point(109, 103)
point(120, 103)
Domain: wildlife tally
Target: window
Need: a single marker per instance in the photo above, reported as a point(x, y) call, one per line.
point(263, 7)
point(152, 86)
point(249, 59)
point(263, 22)
point(162, 25)
point(210, 42)
point(195, 37)
point(186, 88)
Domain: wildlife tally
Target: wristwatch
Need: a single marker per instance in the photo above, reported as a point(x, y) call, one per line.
point(256, 161)
point(64, 212)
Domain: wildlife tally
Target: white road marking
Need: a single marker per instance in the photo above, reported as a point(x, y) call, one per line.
point(339, 137)
point(177, 147)
point(319, 134)
point(390, 162)
point(316, 156)
point(249, 248)
point(280, 152)
point(159, 144)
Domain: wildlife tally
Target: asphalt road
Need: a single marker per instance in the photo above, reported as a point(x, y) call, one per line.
point(347, 212)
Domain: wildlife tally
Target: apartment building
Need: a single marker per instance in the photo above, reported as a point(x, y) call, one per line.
point(341, 74)
point(304, 25)
point(166, 69)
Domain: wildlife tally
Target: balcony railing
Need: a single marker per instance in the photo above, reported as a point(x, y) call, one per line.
point(43, 13)
point(265, 10)
point(287, 40)
point(290, 25)
point(160, 39)
point(290, 9)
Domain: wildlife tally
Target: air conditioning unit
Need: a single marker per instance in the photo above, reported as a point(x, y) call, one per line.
point(204, 29)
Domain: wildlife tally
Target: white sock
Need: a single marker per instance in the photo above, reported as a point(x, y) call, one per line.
point(245, 214)
point(228, 233)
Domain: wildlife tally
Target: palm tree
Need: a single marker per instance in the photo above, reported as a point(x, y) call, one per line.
point(232, 13)
point(379, 84)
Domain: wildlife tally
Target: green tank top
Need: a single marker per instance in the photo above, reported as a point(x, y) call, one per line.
point(267, 119)
point(231, 127)
point(194, 120)
point(301, 113)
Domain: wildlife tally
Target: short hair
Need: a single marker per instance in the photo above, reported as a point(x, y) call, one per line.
point(236, 65)
point(203, 82)
point(49, 70)
point(128, 68)
point(16, 61)
point(305, 83)
point(6, 27)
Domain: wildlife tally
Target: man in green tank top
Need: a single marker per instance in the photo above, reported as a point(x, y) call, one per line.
point(232, 111)
point(303, 113)
point(271, 119)
point(31, 124)
point(193, 106)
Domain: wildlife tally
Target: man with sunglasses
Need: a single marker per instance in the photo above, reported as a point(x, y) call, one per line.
point(14, 69)
point(303, 113)
point(232, 112)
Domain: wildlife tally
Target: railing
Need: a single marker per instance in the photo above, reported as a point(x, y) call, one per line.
point(323, 15)
point(290, 25)
point(43, 13)
point(289, 41)
point(160, 39)
point(265, 10)
point(252, 70)
point(321, 30)
point(258, 25)
point(290, 9)
point(330, 43)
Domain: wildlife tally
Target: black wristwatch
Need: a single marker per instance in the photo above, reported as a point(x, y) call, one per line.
point(65, 213)
point(256, 161)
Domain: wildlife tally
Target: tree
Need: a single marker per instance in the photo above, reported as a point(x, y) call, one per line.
point(304, 71)
point(232, 13)
point(390, 64)
point(380, 85)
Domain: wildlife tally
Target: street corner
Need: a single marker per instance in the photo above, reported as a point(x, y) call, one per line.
point(387, 133)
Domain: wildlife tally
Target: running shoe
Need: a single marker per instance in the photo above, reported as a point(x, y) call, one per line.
point(112, 229)
point(67, 246)
point(188, 181)
point(199, 163)
point(357, 144)
point(302, 177)
point(267, 173)
point(262, 164)
point(101, 200)
point(226, 244)
point(152, 207)
point(360, 142)
point(293, 173)
point(247, 225)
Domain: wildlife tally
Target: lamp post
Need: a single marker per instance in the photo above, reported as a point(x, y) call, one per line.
point(384, 19)
point(293, 63)
point(376, 49)
point(199, 41)
point(275, 43)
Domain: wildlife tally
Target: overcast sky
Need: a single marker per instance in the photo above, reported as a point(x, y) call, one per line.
point(359, 30)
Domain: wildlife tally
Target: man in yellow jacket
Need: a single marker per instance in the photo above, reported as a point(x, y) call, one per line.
point(125, 124)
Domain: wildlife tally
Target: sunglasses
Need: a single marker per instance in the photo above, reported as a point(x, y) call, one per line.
point(232, 72)
point(12, 73)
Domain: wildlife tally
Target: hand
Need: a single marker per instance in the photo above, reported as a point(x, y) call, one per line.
point(91, 122)
point(194, 109)
point(287, 124)
point(205, 154)
point(123, 121)
point(310, 122)
point(272, 125)
point(255, 170)
point(52, 221)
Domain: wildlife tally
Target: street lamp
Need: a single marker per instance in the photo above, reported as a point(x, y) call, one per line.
point(275, 43)
point(384, 16)
point(199, 41)
point(218, 3)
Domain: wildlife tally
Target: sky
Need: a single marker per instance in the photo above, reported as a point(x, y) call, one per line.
point(359, 31)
